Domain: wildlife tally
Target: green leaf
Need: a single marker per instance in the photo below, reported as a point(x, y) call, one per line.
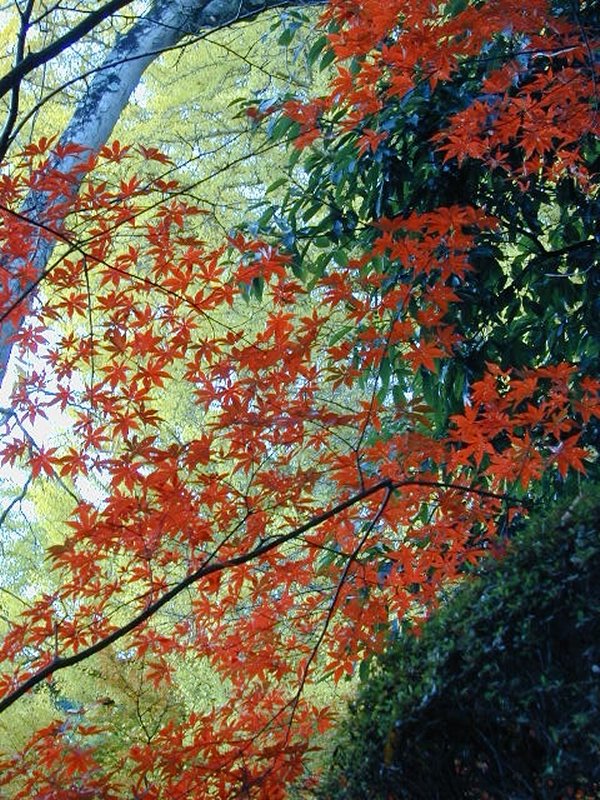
point(276, 184)
point(257, 288)
point(316, 49)
point(385, 372)
point(339, 334)
point(327, 59)
point(341, 257)
point(283, 127)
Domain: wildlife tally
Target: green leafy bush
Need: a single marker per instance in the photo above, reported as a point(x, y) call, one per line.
point(499, 696)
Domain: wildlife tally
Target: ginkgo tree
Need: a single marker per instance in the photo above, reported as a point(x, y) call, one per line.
point(372, 378)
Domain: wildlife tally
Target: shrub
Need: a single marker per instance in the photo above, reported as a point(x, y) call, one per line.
point(499, 696)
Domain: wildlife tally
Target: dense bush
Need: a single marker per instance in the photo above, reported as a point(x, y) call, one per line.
point(499, 697)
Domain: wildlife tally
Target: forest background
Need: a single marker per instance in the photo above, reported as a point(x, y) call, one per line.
point(287, 353)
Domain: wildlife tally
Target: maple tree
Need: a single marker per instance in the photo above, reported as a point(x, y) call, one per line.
point(281, 447)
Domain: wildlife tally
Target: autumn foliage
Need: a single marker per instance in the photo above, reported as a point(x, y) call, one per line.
point(260, 478)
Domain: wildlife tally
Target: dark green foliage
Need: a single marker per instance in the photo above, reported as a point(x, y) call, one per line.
point(499, 697)
point(533, 295)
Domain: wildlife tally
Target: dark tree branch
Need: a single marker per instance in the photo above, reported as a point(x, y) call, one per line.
point(32, 61)
point(13, 108)
point(210, 567)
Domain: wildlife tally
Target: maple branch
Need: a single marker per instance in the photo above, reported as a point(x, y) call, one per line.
point(294, 701)
point(33, 447)
point(349, 561)
point(162, 29)
point(78, 245)
point(209, 568)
